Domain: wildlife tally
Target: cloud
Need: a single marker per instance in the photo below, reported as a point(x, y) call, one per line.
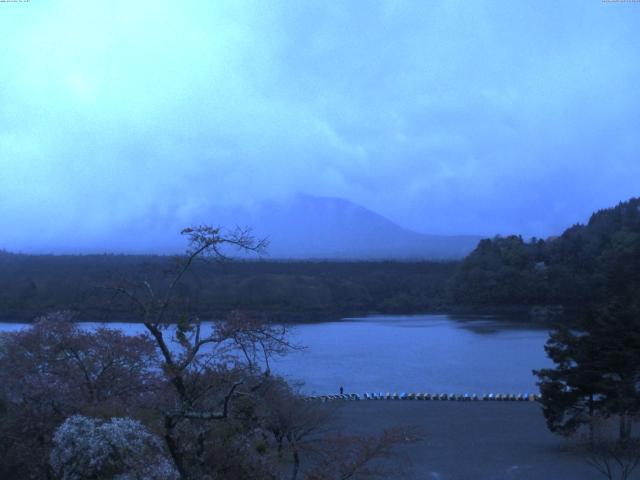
point(483, 117)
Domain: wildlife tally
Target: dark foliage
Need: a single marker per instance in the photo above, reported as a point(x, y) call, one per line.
point(587, 264)
point(596, 373)
point(285, 291)
point(55, 370)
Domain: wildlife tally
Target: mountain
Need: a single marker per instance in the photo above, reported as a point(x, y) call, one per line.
point(307, 226)
point(300, 227)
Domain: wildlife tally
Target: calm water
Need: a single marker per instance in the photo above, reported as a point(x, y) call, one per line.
point(428, 353)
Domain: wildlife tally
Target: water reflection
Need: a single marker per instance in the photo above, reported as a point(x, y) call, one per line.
point(431, 353)
point(421, 353)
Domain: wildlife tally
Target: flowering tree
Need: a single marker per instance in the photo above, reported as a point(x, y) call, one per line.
point(120, 448)
point(56, 369)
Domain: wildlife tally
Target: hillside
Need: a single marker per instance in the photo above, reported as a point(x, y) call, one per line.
point(587, 264)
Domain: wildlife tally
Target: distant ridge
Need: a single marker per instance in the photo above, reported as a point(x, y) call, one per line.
point(300, 227)
point(307, 226)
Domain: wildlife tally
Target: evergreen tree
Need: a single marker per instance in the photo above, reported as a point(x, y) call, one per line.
point(571, 392)
point(597, 371)
point(615, 334)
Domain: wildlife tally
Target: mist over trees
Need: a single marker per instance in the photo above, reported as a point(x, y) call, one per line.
point(587, 263)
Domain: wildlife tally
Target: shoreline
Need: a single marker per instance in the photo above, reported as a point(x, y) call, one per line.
point(516, 313)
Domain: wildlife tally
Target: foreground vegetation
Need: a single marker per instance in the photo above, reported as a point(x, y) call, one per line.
point(182, 401)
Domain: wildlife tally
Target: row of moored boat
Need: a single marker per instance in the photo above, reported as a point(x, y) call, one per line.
point(459, 397)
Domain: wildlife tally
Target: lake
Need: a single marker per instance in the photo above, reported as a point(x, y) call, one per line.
point(418, 353)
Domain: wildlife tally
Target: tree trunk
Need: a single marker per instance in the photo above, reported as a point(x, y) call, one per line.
point(624, 430)
point(280, 440)
point(296, 464)
point(591, 422)
point(172, 446)
point(296, 459)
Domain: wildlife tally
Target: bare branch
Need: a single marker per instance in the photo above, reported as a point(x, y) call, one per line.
point(198, 415)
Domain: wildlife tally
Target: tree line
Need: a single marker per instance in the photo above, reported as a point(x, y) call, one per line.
point(584, 265)
point(31, 285)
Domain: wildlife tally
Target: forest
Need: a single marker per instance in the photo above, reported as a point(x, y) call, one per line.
point(31, 285)
point(587, 262)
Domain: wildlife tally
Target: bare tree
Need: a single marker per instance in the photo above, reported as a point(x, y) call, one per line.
point(296, 425)
point(614, 459)
point(346, 457)
point(207, 365)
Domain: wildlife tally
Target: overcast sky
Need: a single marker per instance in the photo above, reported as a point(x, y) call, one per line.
point(447, 117)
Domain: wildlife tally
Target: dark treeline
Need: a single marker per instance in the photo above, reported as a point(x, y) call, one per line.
point(586, 264)
point(31, 285)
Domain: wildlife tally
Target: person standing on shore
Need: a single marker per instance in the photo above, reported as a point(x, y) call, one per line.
point(341, 389)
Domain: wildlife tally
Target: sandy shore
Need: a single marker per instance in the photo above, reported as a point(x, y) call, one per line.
point(472, 440)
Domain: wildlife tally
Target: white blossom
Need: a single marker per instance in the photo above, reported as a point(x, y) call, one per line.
point(117, 449)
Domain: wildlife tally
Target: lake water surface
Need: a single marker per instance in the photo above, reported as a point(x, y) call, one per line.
point(420, 353)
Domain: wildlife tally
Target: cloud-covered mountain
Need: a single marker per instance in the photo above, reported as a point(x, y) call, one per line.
point(321, 227)
point(299, 227)
point(304, 226)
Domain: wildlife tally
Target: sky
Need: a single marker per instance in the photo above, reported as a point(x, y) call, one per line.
point(450, 117)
